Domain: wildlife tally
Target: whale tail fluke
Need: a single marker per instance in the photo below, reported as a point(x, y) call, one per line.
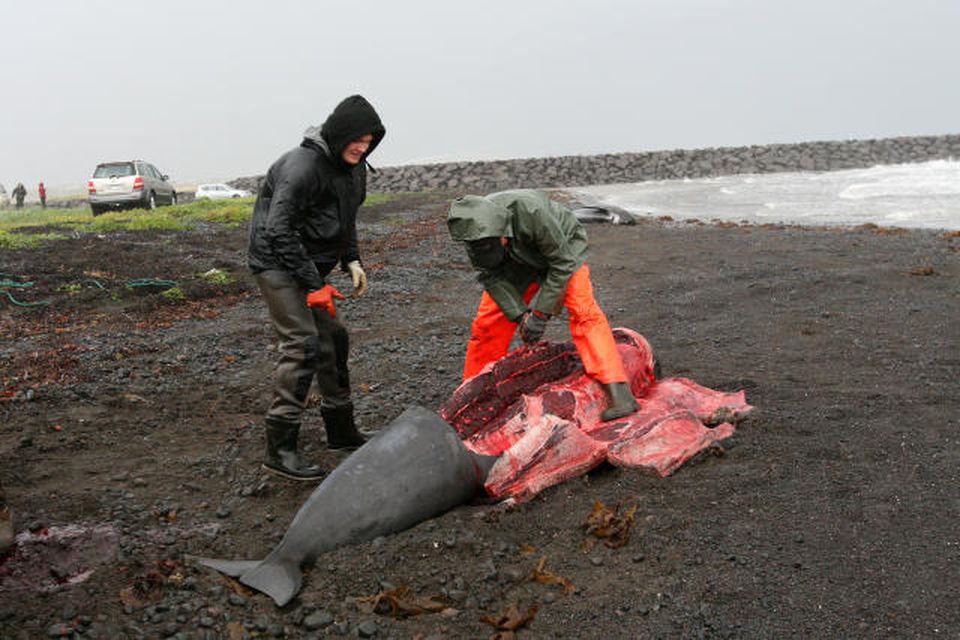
point(280, 580)
point(232, 568)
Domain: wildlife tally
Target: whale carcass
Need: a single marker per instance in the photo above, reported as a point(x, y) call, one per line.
point(526, 422)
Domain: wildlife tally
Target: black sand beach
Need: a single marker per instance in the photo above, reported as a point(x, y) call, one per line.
point(832, 512)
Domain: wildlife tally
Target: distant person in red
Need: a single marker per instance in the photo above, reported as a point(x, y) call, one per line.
point(42, 191)
point(19, 193)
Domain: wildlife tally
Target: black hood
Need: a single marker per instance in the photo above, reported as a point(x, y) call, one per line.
point(353, 118)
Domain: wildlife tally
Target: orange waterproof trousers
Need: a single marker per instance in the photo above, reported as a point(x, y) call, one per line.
point(492, 332)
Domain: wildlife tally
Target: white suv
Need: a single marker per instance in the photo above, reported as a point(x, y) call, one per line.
point(134, 183)
point(219, 191)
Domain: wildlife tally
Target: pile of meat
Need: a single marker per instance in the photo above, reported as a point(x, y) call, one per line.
point(539, 413)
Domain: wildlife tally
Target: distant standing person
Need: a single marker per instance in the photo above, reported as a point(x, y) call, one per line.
point(7, 534)
point(42, 192)
point(304, 225)
point(523, 244)
point(19, 193)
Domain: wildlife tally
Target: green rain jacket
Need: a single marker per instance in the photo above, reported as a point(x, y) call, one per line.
point(546, 244)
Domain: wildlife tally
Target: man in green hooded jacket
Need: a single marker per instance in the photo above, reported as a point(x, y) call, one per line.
point(524, 245)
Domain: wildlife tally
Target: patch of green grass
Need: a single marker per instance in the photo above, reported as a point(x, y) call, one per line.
point(235, 209)
point(135, 220)
point(216, 276)
point(27, 240)
point(174, 295)
point(179, 217)
point(379, 198)
point(37, 217)
point(232, 212)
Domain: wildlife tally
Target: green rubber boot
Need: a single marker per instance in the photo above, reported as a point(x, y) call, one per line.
point(282, 458)
point(622, 402)
point(341, 430)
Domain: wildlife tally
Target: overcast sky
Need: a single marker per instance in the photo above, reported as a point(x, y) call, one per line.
point(217, 90)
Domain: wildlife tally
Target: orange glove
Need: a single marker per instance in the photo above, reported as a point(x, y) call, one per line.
point(323, 299)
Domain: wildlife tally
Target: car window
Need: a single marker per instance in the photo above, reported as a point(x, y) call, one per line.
point(119, 169)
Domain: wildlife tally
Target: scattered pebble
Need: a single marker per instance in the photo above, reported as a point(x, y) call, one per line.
point(367, 629)
point(318, 620)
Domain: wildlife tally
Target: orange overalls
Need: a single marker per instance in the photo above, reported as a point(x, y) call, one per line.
point(492, 332)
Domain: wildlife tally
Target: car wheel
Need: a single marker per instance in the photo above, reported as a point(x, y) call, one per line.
point(151, 201)
point(95, 210)
point(173, 198)
point(234, 196)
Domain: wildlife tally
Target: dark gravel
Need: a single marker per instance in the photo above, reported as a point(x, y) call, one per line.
point(831, 513)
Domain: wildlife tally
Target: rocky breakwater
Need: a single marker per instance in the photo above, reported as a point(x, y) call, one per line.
point(570, 171)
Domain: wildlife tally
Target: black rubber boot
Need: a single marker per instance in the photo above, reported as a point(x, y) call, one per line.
point(622, 402)
point(7, 537)
point(341, 430)
point(282, 457)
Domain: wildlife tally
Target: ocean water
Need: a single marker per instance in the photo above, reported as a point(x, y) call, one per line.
point(923, 195)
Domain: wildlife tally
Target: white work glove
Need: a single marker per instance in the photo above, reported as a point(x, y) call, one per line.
point(359, 278)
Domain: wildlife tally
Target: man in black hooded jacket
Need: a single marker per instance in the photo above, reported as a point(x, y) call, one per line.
point(304, 225)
